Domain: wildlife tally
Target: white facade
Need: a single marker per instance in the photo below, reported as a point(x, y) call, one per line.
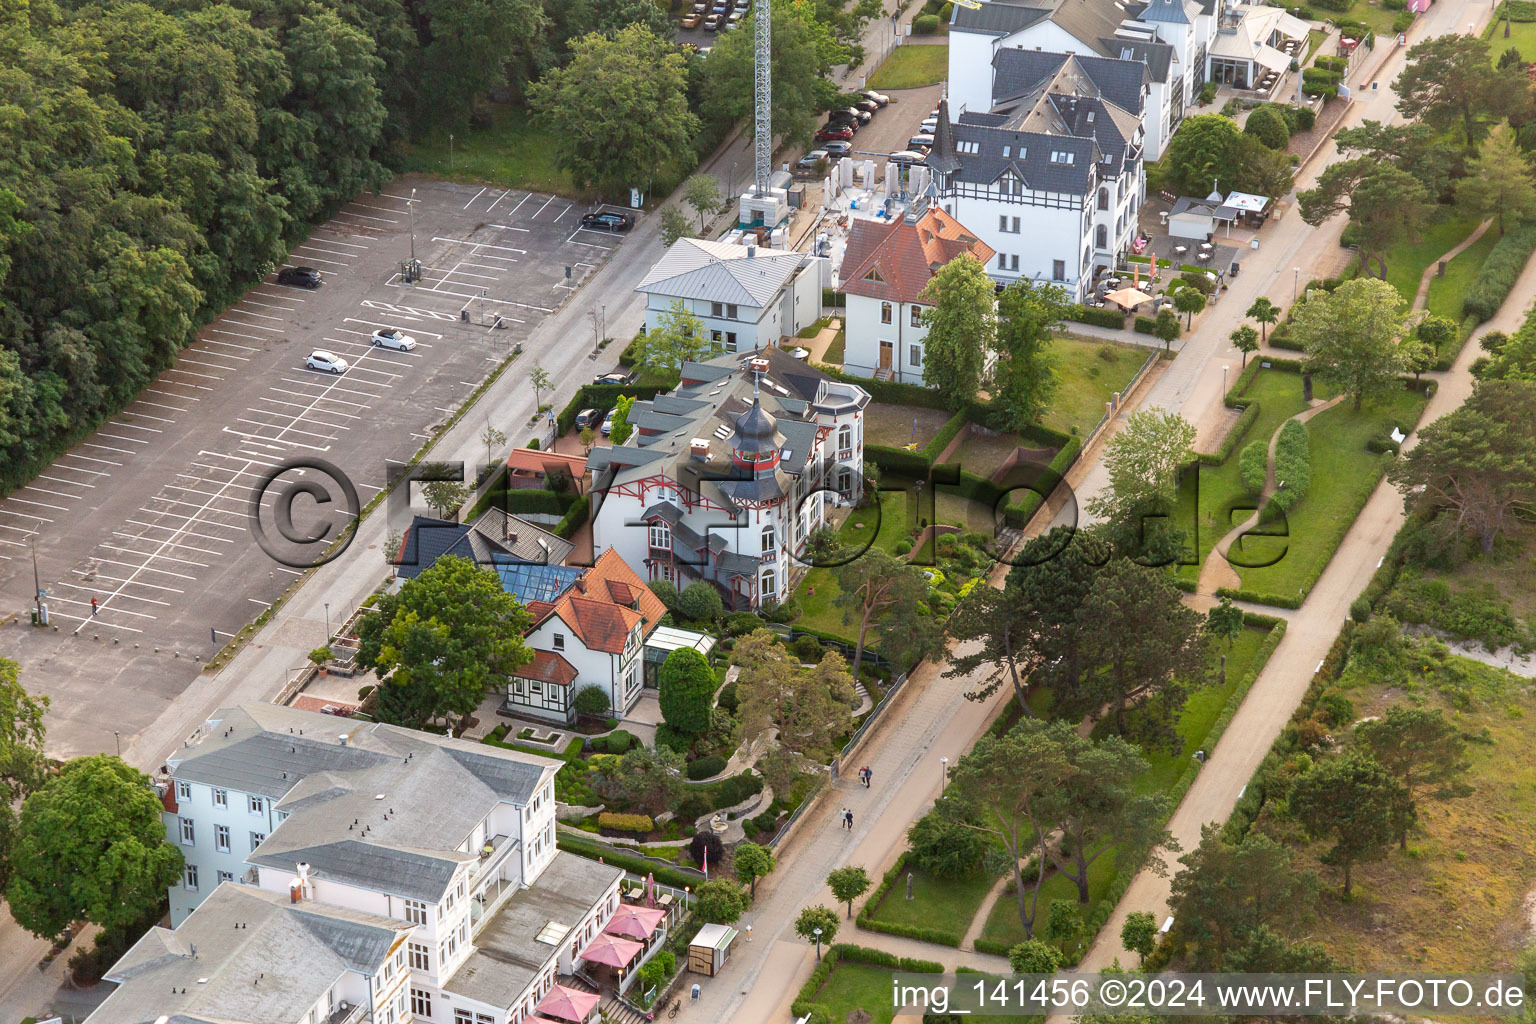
point(217, 829)
point(747, 297)
point(621, 676)
point(882, 334)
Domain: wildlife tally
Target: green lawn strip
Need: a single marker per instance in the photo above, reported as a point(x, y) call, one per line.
point(1343, 476)
point(912, 67)
point(943, 904)
point(1089, 380)
point(814, 329)
point(1003, 925)
point(834, 353)
point(1407, 261)
point(1522, 36)
point(1445, 292)
point(1375, 17)
point(853, 986)
point(1220, 488)
point(511, 151)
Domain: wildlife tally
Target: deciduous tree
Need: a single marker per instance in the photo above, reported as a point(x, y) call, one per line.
point(1246, 340)
point(753, 862)
point(1413, 147)
point(677, 338)
point(1143, 461)
point(702, 192)
point(960, 314)
point(22, 765)
point(1435, 331)
point(848, 884)
point(619, 110)
point(945, 848)
point(1421, 749)
point(1264, 313)
point(622, 428)
point(1201, 152)
point(804, 51)
point(808, 709)
point(719, 902)
point(90, 844)
point(1188, 301)
point(870, 586)
point(441, 642)
point(674, 225)
point(1353, 801)
point(1025, 377)
point(1165, 327)
point(1351, 337)
point(1034, 957)
point(472, 44)
point(1139, 933)
point(1224, 621)
point(818, 917)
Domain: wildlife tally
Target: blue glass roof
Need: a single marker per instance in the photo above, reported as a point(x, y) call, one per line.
point(533, 581)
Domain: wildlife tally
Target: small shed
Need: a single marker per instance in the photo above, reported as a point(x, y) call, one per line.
point(710, 949)
point(1197, 218)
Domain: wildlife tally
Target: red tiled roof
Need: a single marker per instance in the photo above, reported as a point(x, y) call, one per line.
point(903, 257)
point(547, 667)
point(532, 460)
point(611, 568)
point(597, 607)
point(601, 626)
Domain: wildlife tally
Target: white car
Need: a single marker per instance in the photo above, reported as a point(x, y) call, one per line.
point(608, 423)
point(929, 126)
point(327, 362)
point(393, 337)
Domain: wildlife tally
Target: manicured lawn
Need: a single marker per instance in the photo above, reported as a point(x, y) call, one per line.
point(1445, 293)
point(1224, 502)
point(912, 66)
point(1407, 261)
point(1200, 712)
point(1522, 36)
point(854, 986)
point(1343, 475)
point(1003, 923)
point(1315, 39)
point(1090, 372)
point(942, 903)
point(834, 356)
point(512, 152)
point(1376, 17)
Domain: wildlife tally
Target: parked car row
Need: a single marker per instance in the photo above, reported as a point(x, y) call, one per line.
point(714, 15)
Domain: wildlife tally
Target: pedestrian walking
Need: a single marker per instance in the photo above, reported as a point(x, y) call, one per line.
point(843, 818)
point(850, 821)
point(93, 607)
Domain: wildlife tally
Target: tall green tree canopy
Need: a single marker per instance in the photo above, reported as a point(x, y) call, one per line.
point(1498, 182)
point(1387, 205)
point(90, 844)
point(1351, 337)
point(961, 317)
point(687, 690)
point(442, 641)
point(804, 51)
point(1450, 81)
point(1353, 801)
point(619, 110)
point(22, 765)
point(1421, 749)
point(1200, 152)
point(1025, 378)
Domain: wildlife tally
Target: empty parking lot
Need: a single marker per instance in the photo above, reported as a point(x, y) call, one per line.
point(141, 534)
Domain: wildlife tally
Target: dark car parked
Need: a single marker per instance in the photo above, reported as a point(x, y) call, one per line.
point(301, 277)
point(606, 221)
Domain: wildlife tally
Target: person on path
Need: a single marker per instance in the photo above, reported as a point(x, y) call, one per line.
point(93, 607)
point(844, 822)
point(849, 816)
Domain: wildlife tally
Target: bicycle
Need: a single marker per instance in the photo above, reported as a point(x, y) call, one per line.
point(677, 1004)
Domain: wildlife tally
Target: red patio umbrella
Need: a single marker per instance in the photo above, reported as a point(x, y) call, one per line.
point(568, 1004)
point(612, 951)
point(635, 922)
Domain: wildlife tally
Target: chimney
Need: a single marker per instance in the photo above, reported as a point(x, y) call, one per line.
point(758, 365)
point(751, 252)
point(295, 891)
point(698, 449)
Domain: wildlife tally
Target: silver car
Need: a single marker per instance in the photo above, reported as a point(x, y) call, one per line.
point(325, 362)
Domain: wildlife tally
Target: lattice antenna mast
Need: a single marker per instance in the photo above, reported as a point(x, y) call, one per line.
point(762, 76)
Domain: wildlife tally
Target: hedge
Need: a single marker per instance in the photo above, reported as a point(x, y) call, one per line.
point(892, 392)
point(1097, 317)
point(573, 518)
point(805, 1004)
point(667, 874)
point(867, 921)
point(625, 822)
point(1293, 464)
point(1233, 439)
point(1145, 325)
point(1253, 465)
point(1280, 337)
point(1499, 272)
point(951, 430)
point(897, 460)
point(706, 767)
point(602, 398)
point(520, 501)
point(925, 24)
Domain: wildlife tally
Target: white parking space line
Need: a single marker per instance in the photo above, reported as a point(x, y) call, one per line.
point(472, 199)
point(109, 448)
point(83, 620)
point(201, 362)
point(315, 259)
point(172, 394)
point(328, 252)
point(72, 483)
point(264, 316)
point(194, 373)
point(263, 437)
point(257, 327)
point(134, 426)
point(403, 199)
point(342, 401)
point(591, 245)
point(286, 294)
point(296, 430)
point(161, 572)
point(509, 227)
point(376, 323)
point(119, 437)
point(563, 212)
point(498, 199)
point(390, 307)
point(227, 355)
point(493, 300)
point(299, 405)
point(46, 490)
point(236, 334)
point(174, 529)
point(156, 405)
point(364, 216)
point(480, 245)
point(337, 241)
point(542, 208)
point(82, 469)
point(111, 594)
point(267, 305)
point(151, 540)
point(463, 273)
point(519, 205)
point(137, 583)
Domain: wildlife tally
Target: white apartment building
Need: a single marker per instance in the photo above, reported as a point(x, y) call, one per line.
point(748, 297)
point(1172, 38)
point(725, 477)
point(886, 266)
point(1051, 177)
point(450, 843)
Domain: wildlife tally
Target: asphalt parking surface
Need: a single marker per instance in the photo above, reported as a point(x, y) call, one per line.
point(149, 516)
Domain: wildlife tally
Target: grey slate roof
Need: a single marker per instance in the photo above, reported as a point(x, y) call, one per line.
point(496, 535)
point(998, 18)
point(507, 955)
point(1018, 72)
point(1174, 12)
point(1029, 158)
point(695, 268)
point(371, 812)
point(1085, 20)
point(1158, 57)
point(275, 968)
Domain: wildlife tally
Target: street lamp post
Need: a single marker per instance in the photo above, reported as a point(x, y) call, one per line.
point(450, 152)
point(37, 583)
point(411, 207)
point(1295, 280)
point(817, 932)
point(118, 739)
point(943, 774)
point(327, 622)
point(1223, 380)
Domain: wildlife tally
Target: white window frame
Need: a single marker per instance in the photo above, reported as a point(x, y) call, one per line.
point(415, 912)
point(661, 536)
point(254, 805)
point(189, 878)
point(221, 838)
point(183, 791)
point(221, 798)
point(188, 831)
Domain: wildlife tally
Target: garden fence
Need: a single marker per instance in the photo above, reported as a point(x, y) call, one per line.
point(1129, 387)
point(869, 719)
point(789, 823)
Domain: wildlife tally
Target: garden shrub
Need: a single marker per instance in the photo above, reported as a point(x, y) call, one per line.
point(742, 623)
point(1106, 317)
point(1360, 609)
point(666, 592)
point(737, 788)
point(1498, 273)
point(625, 822)
point(925, 24)
point(1479, 614)
point(1145, 325)
point(764, 822)
point(591, 700)
point(1268, 126)
point(672, 739)
point(727, 698)
point(1293, 465)
point(692, 808)
point(617, 742)
point(1402, 21)
point(945, 849)
point(903, 547)
point(807, 648)
point(1253, 464)
point(700, 601)
point(706, 767)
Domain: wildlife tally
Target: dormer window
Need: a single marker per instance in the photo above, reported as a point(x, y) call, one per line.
point(874, 276)
point(1007, 150)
